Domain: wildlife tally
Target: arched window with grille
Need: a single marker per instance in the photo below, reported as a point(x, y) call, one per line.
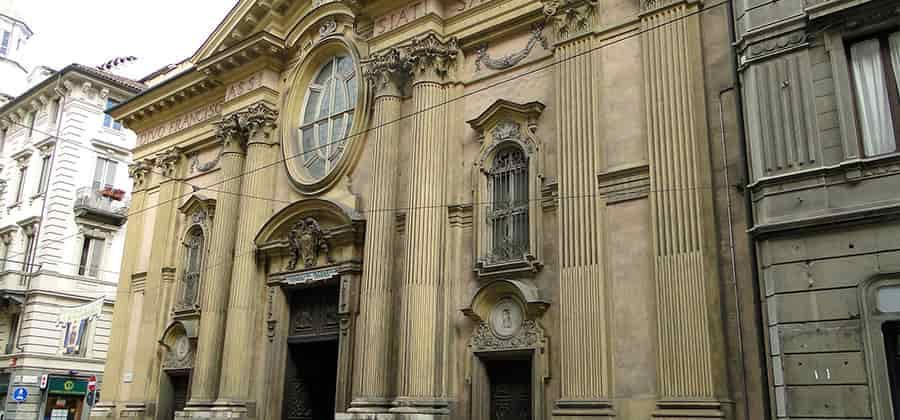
point(508, 190)
point(194, 243)
point(508, 214)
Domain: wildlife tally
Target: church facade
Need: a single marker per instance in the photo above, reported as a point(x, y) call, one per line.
point(500, 209)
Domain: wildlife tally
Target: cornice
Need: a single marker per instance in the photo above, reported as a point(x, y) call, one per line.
point(260, 45)
point(243, 20)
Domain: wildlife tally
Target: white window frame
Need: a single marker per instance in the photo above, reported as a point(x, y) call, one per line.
point(107, 168)
point(91, 252)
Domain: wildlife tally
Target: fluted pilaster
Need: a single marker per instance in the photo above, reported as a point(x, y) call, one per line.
point(245, 300)
point(583, 308)
point(684, 254)
point(373, 375)
point(217, 279)
point(421, 323)
point(112, 385)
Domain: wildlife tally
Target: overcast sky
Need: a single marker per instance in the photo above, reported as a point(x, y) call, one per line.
point(91, 32)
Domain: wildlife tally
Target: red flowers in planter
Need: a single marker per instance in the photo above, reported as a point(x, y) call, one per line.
point(113, 193)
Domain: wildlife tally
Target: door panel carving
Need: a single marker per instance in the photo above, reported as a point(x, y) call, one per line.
point(314, 313)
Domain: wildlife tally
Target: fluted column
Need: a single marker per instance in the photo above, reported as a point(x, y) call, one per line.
point(217, 279)
point(421, 318)
point(583, 310)
point(112, 389)
point(246, 298)
point(682, 213)
point(373, 374)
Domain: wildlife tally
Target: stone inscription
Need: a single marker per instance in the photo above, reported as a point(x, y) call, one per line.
point(463, 5)
point(181, 122)
point(243, 86)
point(399, 17)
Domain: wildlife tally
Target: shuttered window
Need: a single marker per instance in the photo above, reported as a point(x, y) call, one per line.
point(91, 256)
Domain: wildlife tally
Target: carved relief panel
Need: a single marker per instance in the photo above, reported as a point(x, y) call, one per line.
point(314, 312)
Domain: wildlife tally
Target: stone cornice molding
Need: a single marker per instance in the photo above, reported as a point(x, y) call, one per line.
point(21, 157)
point(432, 59)
point(570, 18)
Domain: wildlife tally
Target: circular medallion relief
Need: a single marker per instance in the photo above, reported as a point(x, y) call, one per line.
point(182, 347)
point(506, 318)
point(326, 118)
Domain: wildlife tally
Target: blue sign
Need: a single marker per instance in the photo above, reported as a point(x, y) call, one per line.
point(20, 394)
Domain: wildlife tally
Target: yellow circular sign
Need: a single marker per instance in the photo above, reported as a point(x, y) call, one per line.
point(69, 385)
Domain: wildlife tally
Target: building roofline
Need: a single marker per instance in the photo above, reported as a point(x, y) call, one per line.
point(19, 21)
point(129, 86)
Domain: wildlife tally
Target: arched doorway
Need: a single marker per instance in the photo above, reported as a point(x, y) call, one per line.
point(312, 251)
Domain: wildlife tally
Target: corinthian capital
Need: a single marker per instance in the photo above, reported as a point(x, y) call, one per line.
point(139, 172)
point(258, 121)
point(569, 17)
point(230, 132)
point(386, 72)
point(167, 161)
point(430, 57)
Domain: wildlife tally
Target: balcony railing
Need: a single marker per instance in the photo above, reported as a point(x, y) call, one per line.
point(106, 205)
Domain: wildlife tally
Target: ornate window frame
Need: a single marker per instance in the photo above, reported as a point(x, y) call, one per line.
point(199, 212)
point(323, 38)
point(858, 24)
point(524, 341)
point(502, 125)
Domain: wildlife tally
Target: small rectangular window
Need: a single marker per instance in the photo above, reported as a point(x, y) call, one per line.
point(54, 111)
point(3, 133)
point(27, 263)
point(13, 328)
point(108, 121)
point(45, 175)
point(4, 43)
point(91, 256)
point(20, 187)
point(31, 117)
point(875, 63)
point(104, 174)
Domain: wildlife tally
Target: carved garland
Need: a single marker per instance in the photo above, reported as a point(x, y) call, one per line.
point(507, 61)
point(529, 336)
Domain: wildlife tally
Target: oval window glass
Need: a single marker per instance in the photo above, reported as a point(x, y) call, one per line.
point(327, 117)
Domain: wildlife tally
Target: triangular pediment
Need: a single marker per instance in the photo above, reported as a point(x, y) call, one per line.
point(246, 18)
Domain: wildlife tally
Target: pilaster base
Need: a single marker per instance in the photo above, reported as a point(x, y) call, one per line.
point(135, 411)
point(583, 409)
point(103, 411)
point(370, 405)
point(420, 409)
point(231, 410)
point(685, 409)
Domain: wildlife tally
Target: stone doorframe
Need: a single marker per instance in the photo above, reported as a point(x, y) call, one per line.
point(506, 315)
point(309, 243)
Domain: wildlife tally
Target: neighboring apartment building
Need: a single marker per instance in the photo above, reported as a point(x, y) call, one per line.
point(820, 87)
point(14, 35)
point(438, 210)
point(64, 195)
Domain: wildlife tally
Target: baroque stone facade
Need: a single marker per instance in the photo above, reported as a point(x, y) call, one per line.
point(438, 210)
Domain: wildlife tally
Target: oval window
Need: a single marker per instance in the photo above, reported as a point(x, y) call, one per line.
point(327, 117)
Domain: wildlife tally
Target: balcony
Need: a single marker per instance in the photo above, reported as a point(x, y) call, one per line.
point(107, 206)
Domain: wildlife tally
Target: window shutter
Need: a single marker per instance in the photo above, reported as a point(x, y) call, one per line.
point(96, 255)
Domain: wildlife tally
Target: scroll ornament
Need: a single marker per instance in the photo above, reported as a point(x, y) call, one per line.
point(507, 61)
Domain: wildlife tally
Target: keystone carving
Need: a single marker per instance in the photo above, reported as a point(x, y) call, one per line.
point(307, 241)
point(528, 336)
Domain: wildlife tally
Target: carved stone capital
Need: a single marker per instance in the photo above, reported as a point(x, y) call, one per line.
point(167, 161)
point(140, 171)
point(570, 18)
point(230, 132)
point(432, 59)
point(387, 72)
point(259, 122)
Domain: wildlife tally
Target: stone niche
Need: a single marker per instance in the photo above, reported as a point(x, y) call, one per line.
point(507, 336)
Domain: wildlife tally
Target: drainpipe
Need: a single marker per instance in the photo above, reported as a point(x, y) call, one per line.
point(748, 211)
